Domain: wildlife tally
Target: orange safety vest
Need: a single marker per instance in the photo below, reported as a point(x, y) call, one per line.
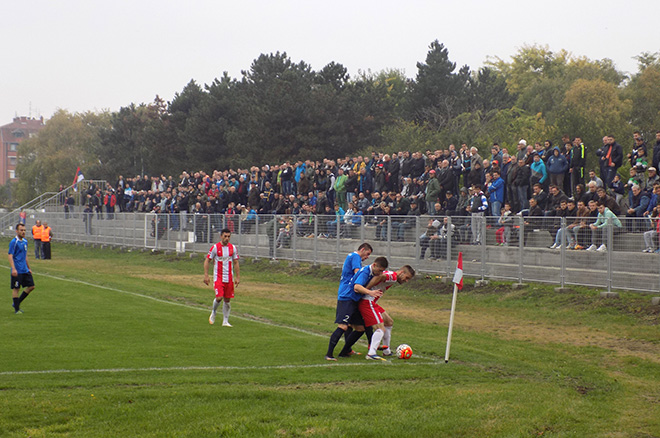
point(45, 236)
point(36, 231)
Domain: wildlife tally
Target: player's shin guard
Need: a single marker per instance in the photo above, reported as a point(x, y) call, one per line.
point(375, 342)
point(348, 331)
point(17, 304)
point(216, 303)
point(387, 337)
point(334, 339)
point(226, 310)
point(370, 332)
point(352, 339)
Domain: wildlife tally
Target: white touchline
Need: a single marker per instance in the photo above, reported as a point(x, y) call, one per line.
point(205, 368)
point(187, 306)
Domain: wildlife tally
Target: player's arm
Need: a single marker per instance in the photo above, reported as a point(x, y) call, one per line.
point(207, 280)
point(375, 281)
point(364, 291)
point(13, 267)
point(237, 272)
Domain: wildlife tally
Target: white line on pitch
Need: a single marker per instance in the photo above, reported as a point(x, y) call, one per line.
point(202, 309)
point(200, 368)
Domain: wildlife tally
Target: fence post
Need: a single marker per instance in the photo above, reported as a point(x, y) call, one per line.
point(274, 242)
point(521, 248)
point(610, 247)
point(256, 237)
point(417, 248)
point(562, 261)
point(450, 237)
point(483, 245)
point(316, 239)
point(337, 231)
point(389, 237)
point(294, 237)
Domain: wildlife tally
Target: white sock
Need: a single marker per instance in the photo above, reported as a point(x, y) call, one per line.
point(216, 303)
point(375, 341)
point(226, 309)
point(387, 337)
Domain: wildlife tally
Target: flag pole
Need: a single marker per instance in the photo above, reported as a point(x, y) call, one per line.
point(451, 322)
point(458, 284)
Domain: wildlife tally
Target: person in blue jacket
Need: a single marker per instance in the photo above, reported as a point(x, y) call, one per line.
point(496, 193)
point(557, 167)
point(539, 174)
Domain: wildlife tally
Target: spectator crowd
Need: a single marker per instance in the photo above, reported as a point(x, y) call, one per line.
point(540, 182)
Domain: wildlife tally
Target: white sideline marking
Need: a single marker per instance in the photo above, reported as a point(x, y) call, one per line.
point(206, 368)
point(203, 309)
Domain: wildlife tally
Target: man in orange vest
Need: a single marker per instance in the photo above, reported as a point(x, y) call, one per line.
point(46, 235)
point(37, 230)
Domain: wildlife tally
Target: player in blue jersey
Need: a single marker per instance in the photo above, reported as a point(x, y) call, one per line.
point(20, 269)
point(357, 290)
point(345, 306)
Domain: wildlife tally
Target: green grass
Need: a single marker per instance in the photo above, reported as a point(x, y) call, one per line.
point(118, 344)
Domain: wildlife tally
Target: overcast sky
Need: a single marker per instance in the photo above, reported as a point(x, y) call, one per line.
point(84, 55)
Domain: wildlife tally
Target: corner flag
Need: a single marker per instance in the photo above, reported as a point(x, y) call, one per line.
point(458, 275)
point(458, 284)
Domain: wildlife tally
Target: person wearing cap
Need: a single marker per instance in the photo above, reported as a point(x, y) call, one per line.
point(432, 191)
point(521, 154)
point(431, 233)
point(652, 178)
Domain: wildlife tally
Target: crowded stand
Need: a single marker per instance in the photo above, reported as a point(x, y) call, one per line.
point(540, 183)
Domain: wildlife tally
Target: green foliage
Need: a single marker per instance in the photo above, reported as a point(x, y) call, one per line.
point(51, 158)
point(644, 91)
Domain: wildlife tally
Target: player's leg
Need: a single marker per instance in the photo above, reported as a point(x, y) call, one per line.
point(343, 314)
point(226, 310)
point(219, 293)
point(388, 322)
point(15, 298)
point(379, 332)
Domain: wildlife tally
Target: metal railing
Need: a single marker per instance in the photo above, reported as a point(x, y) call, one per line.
point(517, 250)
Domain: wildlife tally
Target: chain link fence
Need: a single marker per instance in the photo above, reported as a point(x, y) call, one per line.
point(562, 251)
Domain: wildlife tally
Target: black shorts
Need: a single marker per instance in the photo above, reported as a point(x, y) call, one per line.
point(348, 313)
point(24, 280)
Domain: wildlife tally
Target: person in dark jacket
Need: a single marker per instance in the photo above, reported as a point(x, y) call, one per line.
point(611, 158)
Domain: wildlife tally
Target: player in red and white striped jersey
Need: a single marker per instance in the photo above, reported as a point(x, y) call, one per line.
point(223, 254)
point(375, 316)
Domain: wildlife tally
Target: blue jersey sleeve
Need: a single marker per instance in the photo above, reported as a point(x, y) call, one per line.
point(356, 262)
point(12, 247)
point(363, 276)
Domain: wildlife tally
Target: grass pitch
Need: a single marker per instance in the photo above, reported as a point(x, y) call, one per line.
point(118, 344)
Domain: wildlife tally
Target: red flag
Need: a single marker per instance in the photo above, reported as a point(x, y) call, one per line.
point(458, 275)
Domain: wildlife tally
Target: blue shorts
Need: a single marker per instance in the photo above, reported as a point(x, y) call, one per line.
point(348, 313)
point(24, 280)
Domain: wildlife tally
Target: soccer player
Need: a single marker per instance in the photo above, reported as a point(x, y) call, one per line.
point(20, 269)
point(375, 316)
point(223, 254)
point(345, 308)
point(357, 290)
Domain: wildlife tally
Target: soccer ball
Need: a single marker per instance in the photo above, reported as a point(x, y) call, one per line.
point(404, 351)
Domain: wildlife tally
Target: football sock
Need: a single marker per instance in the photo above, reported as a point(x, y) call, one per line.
point(17, 304)
point(370, 332)
point(375, 342)
point(352, 339)
point(348, 331)
point(334, 339)
point(226, 309)
point(22, 297)
point(216, 303)
point(387, 337)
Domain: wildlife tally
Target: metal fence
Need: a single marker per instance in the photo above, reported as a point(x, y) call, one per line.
point(517, 250)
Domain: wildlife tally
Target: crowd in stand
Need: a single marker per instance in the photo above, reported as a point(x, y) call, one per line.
point(538, 182)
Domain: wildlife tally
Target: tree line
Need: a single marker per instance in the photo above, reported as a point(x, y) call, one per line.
point(283, 110)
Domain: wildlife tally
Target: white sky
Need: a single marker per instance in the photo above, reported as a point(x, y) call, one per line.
point(85, 55)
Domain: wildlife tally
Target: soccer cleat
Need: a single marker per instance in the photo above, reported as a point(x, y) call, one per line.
point(383, 347)
point(387, 352)
point(375, 357)
point(18, 312)
point(602, 248)
point(330, 358)
point(212, 318)
point(226, 324)
point(354, 352)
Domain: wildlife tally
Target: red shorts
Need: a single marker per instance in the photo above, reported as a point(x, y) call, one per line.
point(371, 312)
point(224, 290)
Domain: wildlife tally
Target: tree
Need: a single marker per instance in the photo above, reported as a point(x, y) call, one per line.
point(438, 93)
point(51, 158)
point(644, 92)
point(593, 109)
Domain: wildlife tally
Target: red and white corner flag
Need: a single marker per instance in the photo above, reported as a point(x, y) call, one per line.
point(458, 275)
point(458, 284)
